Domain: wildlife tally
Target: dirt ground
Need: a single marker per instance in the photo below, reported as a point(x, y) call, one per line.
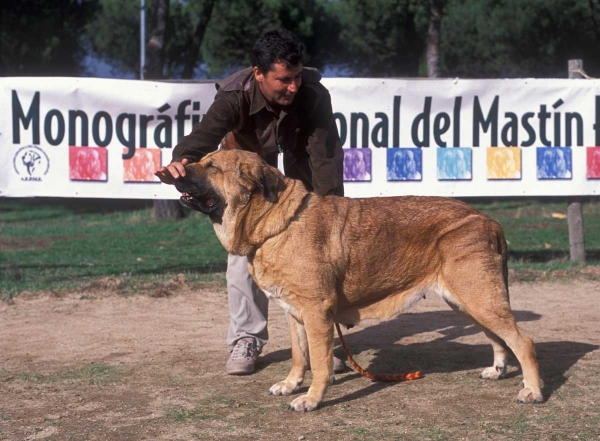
point(95, 365)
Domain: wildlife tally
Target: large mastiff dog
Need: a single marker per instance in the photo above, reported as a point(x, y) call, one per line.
point(335, 259)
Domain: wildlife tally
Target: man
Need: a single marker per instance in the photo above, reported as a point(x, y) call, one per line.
point(274, 108)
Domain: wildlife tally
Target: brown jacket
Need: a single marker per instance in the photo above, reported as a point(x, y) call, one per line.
point(305, 131)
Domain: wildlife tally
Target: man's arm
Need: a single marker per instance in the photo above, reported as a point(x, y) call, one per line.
point(221, 118)
point(325, 148)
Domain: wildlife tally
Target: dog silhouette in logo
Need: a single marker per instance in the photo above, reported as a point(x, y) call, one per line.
point(30, 158)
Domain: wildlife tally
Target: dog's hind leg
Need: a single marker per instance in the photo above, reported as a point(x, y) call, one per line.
point(484, 296)
point(498, 369)
point(300, 360)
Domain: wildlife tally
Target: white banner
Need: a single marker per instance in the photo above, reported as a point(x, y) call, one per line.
point(84, 137)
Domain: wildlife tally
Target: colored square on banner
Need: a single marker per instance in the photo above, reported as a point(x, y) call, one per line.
point(357, 164)
point(593, 162)
point(454, 163)
point(504, 163)
point(88, 163)
point(142, 165)
point(554, 163)
point(404, 164)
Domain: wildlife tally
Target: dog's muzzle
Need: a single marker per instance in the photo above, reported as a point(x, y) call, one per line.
point(206, 204)
point(199, 198)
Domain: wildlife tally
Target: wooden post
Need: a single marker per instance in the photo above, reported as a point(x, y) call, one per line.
point(574, 204)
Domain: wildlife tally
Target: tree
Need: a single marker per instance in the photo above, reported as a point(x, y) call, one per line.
point(196, 40)
point(433, 38)
point(114, 34)
point(234, 27)
point(43, 37)
point(511, 38)
point(155, 50)
point(382, 38)
point(156, 45)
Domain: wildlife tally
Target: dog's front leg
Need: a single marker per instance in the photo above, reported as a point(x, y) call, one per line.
point(300, 361)
point(319, 330)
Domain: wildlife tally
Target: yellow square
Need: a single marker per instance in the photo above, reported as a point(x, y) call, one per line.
point(504, 163)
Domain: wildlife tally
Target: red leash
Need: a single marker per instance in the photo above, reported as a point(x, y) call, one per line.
point(376, 377)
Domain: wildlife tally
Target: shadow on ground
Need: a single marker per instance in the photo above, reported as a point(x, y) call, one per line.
point(442, 354)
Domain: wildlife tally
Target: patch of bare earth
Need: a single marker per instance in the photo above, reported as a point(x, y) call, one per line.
point(97, 366)
point(22, 243)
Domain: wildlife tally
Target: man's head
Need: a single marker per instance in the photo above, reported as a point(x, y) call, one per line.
point(277, 58)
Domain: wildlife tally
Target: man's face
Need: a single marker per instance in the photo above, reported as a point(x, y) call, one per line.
point(279, 85)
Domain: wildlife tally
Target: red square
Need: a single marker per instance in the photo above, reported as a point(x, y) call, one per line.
point(142, 165)
point(88, 163)
point(593, 162)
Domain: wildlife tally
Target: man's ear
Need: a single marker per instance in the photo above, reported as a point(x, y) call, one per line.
point(258, 75)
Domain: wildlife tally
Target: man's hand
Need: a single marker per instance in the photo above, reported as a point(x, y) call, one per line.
point(172, 172)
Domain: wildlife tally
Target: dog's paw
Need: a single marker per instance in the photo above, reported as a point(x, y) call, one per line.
point(283, 388)
point(493, 373)
point(527, 395)
point(304, 403)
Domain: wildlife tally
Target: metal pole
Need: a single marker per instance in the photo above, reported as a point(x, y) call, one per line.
point(574, 205)
point(142, 37)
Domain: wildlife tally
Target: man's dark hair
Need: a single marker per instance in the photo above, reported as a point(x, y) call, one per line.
point(277, 45)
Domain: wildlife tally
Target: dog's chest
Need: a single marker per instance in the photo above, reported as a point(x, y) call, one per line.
point(274, 293)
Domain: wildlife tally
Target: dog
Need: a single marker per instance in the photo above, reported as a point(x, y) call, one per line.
point(331, 259)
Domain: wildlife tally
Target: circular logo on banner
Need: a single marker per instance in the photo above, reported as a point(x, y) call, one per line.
point(31, 163)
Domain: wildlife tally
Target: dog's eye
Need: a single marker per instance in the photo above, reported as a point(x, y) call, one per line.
point(210, 165)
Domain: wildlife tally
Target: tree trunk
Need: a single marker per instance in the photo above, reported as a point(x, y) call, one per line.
point(167, 209)
point(196, 42)
point(433, 38)
point(155, 50)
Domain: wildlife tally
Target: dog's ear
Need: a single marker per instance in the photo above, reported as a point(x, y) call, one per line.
point(270, 183)
point(268, 180)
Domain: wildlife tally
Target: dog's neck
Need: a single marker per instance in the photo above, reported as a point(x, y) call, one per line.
point(261, 220)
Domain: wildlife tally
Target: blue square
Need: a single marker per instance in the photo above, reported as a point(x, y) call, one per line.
point(404, 164)
point(454, 163)
point(554, 163)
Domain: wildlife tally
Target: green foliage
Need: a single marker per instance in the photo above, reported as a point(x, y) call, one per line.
point(513, 38)
point(382, 38)
point(234, 27)
point(114, 33)
point(40, 37)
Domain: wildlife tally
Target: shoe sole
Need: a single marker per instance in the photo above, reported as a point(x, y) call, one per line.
point(239, 371)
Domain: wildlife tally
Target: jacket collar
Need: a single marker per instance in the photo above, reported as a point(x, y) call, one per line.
point(259, 102)
point(257, 99)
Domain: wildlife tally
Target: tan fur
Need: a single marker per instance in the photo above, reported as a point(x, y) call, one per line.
point(334, 259)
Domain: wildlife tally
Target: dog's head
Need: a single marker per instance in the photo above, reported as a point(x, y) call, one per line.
point(226, 180)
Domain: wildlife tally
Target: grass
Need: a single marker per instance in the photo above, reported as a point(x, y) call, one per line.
point(181, 415)
point(538, 238)
point(54, 244)
point(93, 374)
point(535, 235)
point(51, 244)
